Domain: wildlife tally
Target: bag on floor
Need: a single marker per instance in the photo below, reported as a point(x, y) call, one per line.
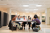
point(20, 28)
point(14, 28)
point(36, 29)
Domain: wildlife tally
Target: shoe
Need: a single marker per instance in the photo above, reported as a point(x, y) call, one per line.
point(24, 28)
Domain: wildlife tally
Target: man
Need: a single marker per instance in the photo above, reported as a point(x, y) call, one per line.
point(18, 19)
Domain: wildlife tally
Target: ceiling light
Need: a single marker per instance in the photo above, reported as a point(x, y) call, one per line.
point(35, 9)
point(25, 5)
point(16, 13)
point(38, 5)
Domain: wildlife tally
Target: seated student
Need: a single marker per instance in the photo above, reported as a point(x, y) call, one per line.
point(29, 19)
point(18, 19)
point(37, 21)
point(10, 25)
point(21, 19)
point(14, 23)
point(23, 24)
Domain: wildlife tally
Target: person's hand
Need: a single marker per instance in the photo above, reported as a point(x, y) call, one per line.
point(32, 18)
point(14, 26)
point(21, 23)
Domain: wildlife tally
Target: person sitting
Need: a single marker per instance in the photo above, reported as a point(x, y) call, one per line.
point(10, 25)
point(14, 23)
point(29, 23)
point(18, 19)
point(23, 23)
point(21, 19)
point(37, 21)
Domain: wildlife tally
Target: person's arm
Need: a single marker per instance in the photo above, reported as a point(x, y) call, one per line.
point(34, 20)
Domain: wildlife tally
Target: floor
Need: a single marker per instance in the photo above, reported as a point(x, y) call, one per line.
point(44, 29)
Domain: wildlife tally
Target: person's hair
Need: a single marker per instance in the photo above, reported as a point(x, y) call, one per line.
point(35, 16)
point(28, 16)
point(23, 16)
point(13, 18)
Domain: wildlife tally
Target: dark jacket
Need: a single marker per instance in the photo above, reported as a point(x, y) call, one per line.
point(10, 25)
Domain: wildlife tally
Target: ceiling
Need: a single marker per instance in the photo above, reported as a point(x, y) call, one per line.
point(17, 5)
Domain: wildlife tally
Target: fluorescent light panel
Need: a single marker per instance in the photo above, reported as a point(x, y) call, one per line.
point(25, 5)
point(30, 9)
point(38, 5)
point(16, 13)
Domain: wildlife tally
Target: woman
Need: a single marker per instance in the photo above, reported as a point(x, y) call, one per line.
point(10, 23)
point(14, 23)
point(37, 21)
point(23, 24)
point(29, 23)
point(18, 19)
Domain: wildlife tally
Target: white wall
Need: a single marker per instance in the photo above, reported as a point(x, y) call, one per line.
point(47, 12)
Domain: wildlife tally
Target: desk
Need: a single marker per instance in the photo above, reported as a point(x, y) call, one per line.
point(23, 21)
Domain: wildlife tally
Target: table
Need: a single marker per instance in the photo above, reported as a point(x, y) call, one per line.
point(23, 21)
